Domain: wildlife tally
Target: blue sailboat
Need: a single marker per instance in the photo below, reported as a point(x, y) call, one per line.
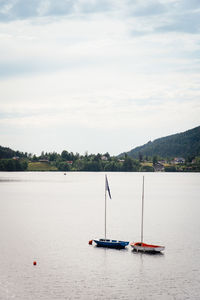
point(104, 242)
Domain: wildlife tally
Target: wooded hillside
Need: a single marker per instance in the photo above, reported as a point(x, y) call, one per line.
point(184, 144)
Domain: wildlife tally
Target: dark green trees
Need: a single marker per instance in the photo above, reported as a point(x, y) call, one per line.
point(13, 165)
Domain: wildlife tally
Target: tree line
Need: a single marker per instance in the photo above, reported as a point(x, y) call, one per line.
point(13, 165)
point(68, 161)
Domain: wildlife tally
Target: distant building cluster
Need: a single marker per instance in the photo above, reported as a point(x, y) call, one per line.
point(104, 158)
point(15, 157)
point(178, 160)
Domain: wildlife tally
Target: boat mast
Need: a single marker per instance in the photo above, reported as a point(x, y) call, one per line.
point(105, 206)
point(142, 210)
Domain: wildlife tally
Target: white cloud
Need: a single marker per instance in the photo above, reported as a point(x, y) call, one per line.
point(92, 70)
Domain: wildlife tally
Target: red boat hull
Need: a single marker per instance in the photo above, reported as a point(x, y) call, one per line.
point(147, 247)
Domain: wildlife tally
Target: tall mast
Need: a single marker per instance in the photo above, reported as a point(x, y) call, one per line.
point(105, 206)
point(142, 210)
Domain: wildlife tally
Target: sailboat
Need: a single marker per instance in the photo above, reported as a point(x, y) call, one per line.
point(105, 242)
point(141, 246)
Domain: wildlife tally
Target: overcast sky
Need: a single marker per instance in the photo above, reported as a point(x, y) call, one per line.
point(97, 75)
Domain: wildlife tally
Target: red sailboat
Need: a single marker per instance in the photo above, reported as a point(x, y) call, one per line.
point(140, 246)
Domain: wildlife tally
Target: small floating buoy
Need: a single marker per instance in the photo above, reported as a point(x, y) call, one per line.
point(90, 242)
point(34, 263)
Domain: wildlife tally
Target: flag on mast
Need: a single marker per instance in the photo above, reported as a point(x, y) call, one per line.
point(107, 188)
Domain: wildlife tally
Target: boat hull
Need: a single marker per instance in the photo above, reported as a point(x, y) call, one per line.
point(111, 243)
point(147, 248)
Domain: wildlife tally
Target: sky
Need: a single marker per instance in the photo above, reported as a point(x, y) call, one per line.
point(97, 75)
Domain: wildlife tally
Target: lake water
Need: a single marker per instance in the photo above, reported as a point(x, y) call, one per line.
point(49, 218)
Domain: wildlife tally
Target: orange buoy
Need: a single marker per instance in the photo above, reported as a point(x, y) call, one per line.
point(34, 263)
point(90, 242)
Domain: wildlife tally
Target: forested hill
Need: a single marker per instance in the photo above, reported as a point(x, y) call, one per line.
point(6, 152)
point(185, 144)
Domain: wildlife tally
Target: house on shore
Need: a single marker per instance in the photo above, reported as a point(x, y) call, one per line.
point(178, 160)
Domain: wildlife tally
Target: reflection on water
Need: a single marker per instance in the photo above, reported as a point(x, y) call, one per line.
point(49, 218)
point(8, 179)
point(147, 253)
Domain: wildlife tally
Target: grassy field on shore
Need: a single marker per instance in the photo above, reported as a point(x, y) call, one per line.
point(41, 166)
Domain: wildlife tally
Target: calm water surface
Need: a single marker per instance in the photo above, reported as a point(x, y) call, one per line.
point(49, 217)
